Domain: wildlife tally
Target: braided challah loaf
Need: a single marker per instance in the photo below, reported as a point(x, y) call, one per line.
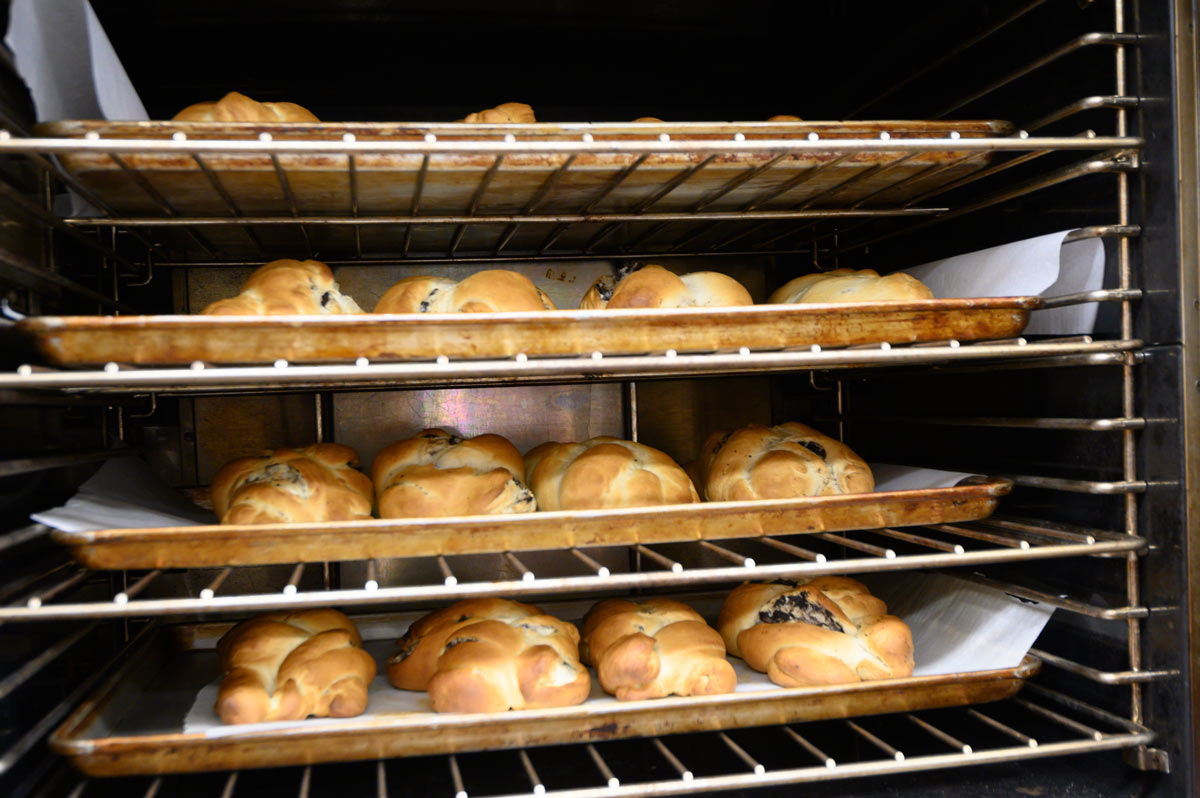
point(288, 666)
point(503, 113)
point(235, 107)
point(284, 287)
point(491, 291)
point(316, 483)
point(653, 286)
point(654, 648)
point(782, 462)
point(439, 474)
point(848, 285)
point(829, 630)
point(603, 473)
point(490, 655)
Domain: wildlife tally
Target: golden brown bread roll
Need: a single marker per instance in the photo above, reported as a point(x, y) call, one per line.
point(491, 291)
point(784, 118)
point(603, 473)
point(504, 113)
point(290, 665)
point(235, 107)
point(489, 655)
point(284, 287)
point(316, 483)
point(829, 630)
point(652, 286)
point(654, 648)
point(439, 474)
point(782, 462)
point(648, 119)
point(848, 285)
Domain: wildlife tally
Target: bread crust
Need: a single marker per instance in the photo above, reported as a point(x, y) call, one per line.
point(828, 630)
point(316, 483)
point(288, 666)
point(437, 474)
point(603, 473)
point(489, 291)
point(848, 285)
point(285, 287)
point(652, 286)
point(782, 462)
point(490, 655)
point(504, 113)
point(237, 107)
point(654, 648)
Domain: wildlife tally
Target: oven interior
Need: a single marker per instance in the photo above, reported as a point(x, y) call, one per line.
point(1093, 430)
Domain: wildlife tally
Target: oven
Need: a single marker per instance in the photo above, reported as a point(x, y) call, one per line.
point(1097, 432)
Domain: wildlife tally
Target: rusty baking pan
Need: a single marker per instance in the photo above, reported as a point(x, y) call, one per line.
point(224, 184)
point(134, 723)
point(181, 340)
point(218, 545)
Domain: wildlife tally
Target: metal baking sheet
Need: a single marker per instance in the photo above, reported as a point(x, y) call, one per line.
point(181, 340)
point(133, 724)
point(392, 184)
point(218, 545)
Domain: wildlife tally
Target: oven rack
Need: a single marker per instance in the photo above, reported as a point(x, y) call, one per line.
point(1037, 724)
point(575, 570)
point(712, 215)
point(363, 374)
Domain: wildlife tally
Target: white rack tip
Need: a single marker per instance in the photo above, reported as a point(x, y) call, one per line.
point(968, 749)
point(430, 138)
point(884, 136)
point(830, 763)
point(206, 593)
point(5, 135)
point(1032, 743)
point(521, 357)
point(954, 134)
point(958, 549)
point(749, 563)
point(815, 348)
point(813, 137)
point(281, 363)
point(664, 136)
point(614, 783)
point(889, 554)
point(264, 136)
point(460, 794)
point(111, 368)
point(33, 603)
point(743, 351)
point(759, 770)
point(821, 558)
point(672, 353)
point(121, 598)
point(885, 346)
point(91, 135)
point(676, 568)
point(442, 360)
point(450, 581)
point(739, 136)
point(539, 789)
point(371, 584)
point(687, 775)
point(528, 576)
point(954, 343)
point(603, 571)
point(509, 138)
point(348, 137)
point(899, 756)
point(1089, 540)
point(1025, 544)
point(1022, 134)
point(197, 365)
point(289, 590)
point(589, 138)
point(24, 370)
point(179, 135)
point(597, 355)
point(362, 362)
point(1025, 342)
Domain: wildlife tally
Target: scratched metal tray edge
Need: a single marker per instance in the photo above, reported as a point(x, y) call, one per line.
point(154, 754)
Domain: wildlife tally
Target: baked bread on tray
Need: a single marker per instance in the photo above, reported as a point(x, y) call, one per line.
point(490, 291)
point(290, 665)
point(285, 287)
point(605, 473)
point(317, 483)
point(848, 285)
point(235, 107)
point(491, 655)
point(654, 647)
point(503, 113)
point(828, 630)
point(436, 473)
point(652, 286)
point(786, 461)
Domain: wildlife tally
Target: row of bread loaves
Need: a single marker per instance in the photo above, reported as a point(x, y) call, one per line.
point(438, 474)
point(493, 655)
point(288, 287)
